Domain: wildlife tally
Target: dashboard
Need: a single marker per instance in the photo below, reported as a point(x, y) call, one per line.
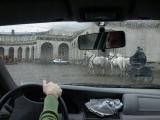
point(138, 104)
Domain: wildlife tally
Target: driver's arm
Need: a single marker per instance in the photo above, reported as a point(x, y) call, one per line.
point(50, 110)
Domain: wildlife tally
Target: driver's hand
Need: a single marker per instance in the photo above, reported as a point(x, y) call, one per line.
point(51, 88)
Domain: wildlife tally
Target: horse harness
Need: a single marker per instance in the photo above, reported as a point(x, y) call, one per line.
point(110, 59)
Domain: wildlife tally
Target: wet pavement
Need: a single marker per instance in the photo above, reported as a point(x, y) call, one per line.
point(63, 74)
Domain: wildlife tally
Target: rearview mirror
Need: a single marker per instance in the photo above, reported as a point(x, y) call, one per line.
point(104, 40)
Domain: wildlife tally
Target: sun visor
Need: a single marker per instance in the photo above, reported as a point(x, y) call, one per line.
point(100, 15)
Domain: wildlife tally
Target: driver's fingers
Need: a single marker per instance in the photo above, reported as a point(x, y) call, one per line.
point(60, 92)
point(44, 82)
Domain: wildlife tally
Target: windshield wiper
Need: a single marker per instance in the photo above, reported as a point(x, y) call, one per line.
point(140, 86)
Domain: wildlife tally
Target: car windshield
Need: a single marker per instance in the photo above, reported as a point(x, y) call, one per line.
point(33, 52)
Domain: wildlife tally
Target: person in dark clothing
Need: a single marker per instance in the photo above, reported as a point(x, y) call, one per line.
point(139, 58)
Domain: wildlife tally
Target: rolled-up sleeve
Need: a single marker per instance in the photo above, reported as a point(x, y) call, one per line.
point(50, 110)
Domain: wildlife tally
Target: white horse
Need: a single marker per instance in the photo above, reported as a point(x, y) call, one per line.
point(95, 62)
point(118, 62)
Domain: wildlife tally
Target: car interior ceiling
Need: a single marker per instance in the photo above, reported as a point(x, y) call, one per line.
point(23, 11)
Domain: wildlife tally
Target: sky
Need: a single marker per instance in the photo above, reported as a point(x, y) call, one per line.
point(41, 27)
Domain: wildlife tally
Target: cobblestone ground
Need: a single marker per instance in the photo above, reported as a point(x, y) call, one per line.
point(62, 74)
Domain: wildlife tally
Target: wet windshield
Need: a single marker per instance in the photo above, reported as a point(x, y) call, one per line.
point(33, 52)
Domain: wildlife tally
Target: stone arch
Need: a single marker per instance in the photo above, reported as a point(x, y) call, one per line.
point(11, 54)
point(27, 54)
point(20, 54)
point(1, 53)
point(46, 52)
point(63, 51)
point(32, 53)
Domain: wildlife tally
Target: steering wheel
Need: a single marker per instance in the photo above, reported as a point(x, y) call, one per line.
point(20, 91)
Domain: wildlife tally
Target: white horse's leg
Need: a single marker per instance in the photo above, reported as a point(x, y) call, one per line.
point(125, 72)
point(93, 70)
point(108, 69)
point(111, 69)
point(103, 67)
point(90, 68)
point(120, 70)
point(103, 71)
point(124, 68)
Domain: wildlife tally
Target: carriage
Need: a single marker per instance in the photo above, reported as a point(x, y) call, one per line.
point(138, 71)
